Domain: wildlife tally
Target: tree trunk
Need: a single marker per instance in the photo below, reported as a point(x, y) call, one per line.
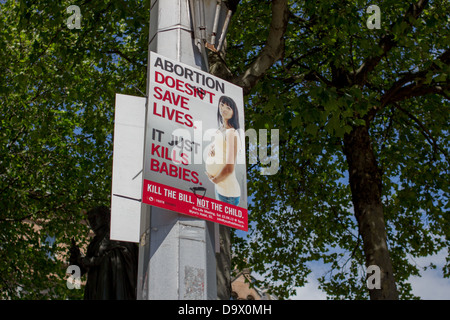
point(223, 264)
point(366, 185)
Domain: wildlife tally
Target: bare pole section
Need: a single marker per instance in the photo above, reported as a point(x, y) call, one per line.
point(176, 252)
point(216, 22)
point(224, 30)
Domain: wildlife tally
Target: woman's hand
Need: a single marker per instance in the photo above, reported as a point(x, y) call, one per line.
point(211, 152)
point(210, 177)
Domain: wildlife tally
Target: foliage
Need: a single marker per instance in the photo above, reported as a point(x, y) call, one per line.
point(57, 105)
point(304, 213)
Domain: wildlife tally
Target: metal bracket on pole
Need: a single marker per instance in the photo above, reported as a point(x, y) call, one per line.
point(224, 30)
point(206, 31)
point(197, 9)
point(216, 22)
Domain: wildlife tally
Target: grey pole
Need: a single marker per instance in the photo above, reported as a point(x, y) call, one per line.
point(176, 252)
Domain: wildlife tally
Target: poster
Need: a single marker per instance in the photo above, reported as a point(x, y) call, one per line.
point(194, 158)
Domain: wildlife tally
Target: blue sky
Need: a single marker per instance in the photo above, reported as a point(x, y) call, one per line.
point(431, 286)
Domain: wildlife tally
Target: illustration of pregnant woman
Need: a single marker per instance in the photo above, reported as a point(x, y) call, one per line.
point(222, 153)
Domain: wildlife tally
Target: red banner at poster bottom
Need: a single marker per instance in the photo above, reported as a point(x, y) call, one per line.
point(188, 203)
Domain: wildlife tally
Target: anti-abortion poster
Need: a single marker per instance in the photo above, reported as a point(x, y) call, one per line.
point(195, 144)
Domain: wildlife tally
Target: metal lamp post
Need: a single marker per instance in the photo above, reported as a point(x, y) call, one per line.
point(177, 252)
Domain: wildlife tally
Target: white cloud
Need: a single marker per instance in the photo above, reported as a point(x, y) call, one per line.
point(431, 285)
point(310, 291)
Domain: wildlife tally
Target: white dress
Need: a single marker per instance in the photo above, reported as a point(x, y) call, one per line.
point(229, 187)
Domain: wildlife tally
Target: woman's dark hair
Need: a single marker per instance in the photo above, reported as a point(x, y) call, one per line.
point(234, 121)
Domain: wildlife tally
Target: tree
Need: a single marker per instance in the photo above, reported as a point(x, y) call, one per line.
point(57, 104)
point(367, 105)
point(370, 102)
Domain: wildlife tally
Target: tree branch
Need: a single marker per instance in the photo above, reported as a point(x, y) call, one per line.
point(417, 86)
point(272, 51)
point(417, 90)
point(387, 43)
point(123, 55)
point(425, 132)
point(398, 92)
